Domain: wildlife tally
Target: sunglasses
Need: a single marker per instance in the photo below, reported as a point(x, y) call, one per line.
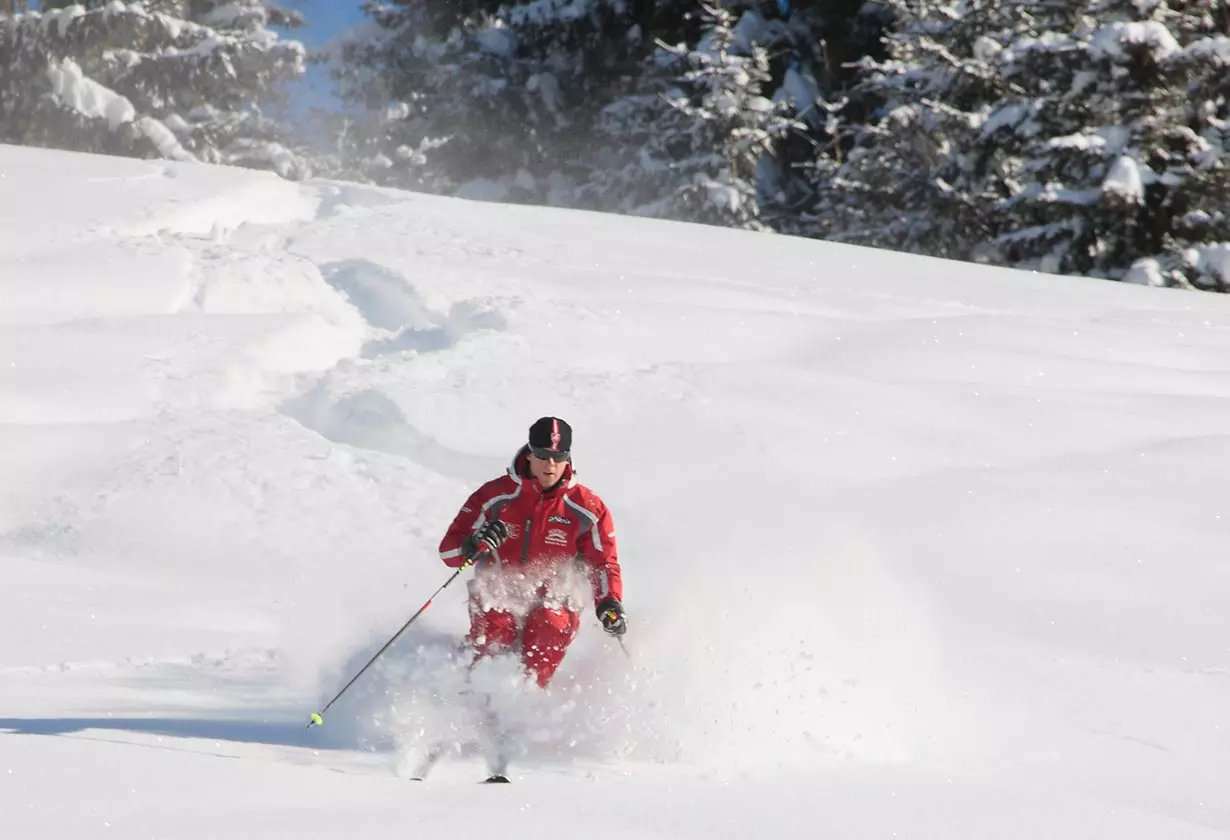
point(548, 454)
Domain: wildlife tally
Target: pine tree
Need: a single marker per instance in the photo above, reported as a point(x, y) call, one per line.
point(1068, 137)
point(501, 94)
point(151, 78)
point(1116, 165)
point(662, 108)
point(916, 177)
point(690, 140)
point(1201, 218)
point(811, 52)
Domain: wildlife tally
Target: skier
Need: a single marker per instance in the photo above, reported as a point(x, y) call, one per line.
point(538, 530)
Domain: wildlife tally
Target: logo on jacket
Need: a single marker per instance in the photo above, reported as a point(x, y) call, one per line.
point(563, 520)
point(557, 536)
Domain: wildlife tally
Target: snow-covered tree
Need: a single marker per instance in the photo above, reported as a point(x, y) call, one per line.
point(499, 95)
point(914, 177)
point(812, 48)
point(1201, 217)
point(691, 138)
point(1069, 137)
point(1115, 164)
point(570, 102)
point(151, 78)
point(663, 107)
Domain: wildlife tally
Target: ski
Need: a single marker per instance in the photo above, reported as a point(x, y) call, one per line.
point(497, 779)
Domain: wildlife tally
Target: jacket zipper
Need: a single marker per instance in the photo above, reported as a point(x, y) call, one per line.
point(525, 542)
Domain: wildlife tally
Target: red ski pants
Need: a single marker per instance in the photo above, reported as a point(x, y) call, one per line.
point(544, 637)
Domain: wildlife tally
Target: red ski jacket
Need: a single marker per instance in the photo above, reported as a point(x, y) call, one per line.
point(544, 526)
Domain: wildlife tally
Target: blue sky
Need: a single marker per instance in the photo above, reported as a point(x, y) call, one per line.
point(324, 18)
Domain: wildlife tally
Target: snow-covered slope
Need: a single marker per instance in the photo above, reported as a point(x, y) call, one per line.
point(912, 548)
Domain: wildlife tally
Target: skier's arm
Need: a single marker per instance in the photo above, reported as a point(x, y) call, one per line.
point(598, 549)
point(452, 550)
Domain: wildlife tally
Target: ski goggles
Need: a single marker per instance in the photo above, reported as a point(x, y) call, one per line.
point(549, 454)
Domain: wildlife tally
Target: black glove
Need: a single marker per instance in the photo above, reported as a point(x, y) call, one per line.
point(490, 536)
point(611, 614)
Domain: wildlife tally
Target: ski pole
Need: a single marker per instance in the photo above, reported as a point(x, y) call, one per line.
point(317, 719)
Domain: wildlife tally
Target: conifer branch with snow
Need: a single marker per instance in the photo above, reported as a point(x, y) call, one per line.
point(1087, 139)
point(151, 78)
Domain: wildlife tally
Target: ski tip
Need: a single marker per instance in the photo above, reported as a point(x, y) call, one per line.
point(497, 779)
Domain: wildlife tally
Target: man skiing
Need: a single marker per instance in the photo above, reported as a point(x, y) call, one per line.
point(534, 535)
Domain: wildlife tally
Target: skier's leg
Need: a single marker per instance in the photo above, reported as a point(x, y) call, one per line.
point(548, 632)
point(492, 631)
